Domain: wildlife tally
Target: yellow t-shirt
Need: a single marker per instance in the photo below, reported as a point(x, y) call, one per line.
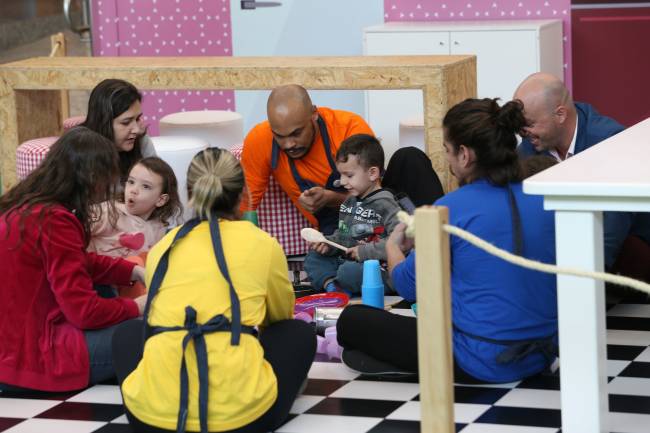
point(242, 384)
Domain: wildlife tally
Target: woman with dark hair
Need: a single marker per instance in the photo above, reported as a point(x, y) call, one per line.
point(504, 316)
point(410, 173)
point(56, 330)
point(115, 111)
point(212, 281)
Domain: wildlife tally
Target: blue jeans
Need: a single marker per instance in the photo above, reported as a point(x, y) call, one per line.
point(100, 352)
point(348, 274)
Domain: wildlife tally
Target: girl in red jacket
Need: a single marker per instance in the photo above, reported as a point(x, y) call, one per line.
point(55, 329)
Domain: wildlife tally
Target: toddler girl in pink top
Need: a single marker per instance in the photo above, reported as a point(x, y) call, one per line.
point(150, 202)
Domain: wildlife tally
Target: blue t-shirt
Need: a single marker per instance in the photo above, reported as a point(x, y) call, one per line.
point(490, 297)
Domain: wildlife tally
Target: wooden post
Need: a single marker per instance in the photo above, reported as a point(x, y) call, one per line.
point(59, 49)
point(435, 356)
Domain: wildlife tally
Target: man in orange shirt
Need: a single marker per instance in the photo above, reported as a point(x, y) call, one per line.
point(297, 146)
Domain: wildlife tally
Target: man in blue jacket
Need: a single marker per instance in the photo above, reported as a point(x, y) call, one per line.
point(560, 128)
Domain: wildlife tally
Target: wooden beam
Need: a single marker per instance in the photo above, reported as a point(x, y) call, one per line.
point(435, 356)
point(59, 49)
point(444, 81)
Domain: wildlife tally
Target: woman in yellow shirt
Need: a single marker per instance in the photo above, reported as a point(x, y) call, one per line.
point(211, 282)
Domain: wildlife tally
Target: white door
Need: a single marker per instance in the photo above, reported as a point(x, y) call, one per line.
point(386, 108)
point(499, 70)
point(301, 28)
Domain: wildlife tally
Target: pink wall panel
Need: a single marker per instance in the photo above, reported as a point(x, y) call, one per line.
point(480, 10)
point(166, 28)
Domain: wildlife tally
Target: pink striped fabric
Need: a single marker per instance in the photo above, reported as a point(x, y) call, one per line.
point(279, 217)
point(30, 154)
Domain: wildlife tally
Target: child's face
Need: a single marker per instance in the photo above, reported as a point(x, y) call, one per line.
point(143, 192)
point(357, 180)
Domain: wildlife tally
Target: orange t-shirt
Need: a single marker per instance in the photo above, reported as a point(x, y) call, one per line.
point(256, 158)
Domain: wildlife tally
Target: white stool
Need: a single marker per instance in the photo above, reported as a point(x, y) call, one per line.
point(222, 129)
point(411, 132)
point(30, 154)
point(178, 153)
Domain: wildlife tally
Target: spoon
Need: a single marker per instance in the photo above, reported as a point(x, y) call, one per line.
point(312, 235)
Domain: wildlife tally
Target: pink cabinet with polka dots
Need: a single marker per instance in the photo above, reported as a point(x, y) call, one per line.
point(166, 28)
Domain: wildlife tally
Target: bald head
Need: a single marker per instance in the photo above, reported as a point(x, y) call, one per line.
point(292, 118)
point(549, 111)
point(542, 89)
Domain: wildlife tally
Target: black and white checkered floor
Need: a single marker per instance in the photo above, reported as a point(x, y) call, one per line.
point(339, 400)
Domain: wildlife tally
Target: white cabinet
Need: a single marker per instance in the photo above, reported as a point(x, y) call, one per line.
point(506, 51)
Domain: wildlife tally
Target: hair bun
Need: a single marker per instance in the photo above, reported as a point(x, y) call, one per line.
point(511, 116)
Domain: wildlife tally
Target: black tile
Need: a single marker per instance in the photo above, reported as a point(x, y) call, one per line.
point(401, 378)
point(6, 423)
point(478, 395)
point(39, 395)
point(636, 369)
point(521, 416)
point(628, 323)
point(323, 386)
point(629, 403)
point(355, 407)
point(540, 381)
point(623, 353)
point(396, 426)
point(115, 428)
point(83, 411)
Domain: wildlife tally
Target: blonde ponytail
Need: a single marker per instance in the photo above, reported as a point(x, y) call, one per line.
point(215, 181)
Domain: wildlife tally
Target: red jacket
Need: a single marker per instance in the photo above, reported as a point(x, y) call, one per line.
point(46, 288)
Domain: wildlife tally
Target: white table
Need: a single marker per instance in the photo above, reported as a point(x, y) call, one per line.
point(611, 176)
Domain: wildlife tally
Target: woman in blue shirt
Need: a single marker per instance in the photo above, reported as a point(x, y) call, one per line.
point(504, 316)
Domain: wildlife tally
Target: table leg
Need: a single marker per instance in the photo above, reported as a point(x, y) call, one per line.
point(581, 315)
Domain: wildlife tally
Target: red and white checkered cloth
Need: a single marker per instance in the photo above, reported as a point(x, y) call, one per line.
point(30, 154)
point(71, 122)
point(279, 217)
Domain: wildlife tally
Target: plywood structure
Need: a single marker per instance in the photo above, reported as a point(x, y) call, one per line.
point(30, 89)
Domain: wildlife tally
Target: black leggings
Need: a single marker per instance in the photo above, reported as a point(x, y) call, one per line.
point(387, 337)
point(289, 346)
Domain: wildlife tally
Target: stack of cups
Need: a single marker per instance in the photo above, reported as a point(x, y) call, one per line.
point(372, 286)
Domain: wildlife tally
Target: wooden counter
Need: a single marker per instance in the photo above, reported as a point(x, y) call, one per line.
point(29, 97)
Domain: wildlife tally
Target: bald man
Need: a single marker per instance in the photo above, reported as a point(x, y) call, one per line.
point(559, 127)
point(297, 146)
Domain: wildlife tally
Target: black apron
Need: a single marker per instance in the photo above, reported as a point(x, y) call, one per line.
point(196, 331)
point(328, 217)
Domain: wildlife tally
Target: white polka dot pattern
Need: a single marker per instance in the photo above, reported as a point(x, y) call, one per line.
point(482, 10)
point(166, 28)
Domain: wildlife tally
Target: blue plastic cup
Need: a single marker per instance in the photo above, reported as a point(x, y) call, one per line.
point(372, 286)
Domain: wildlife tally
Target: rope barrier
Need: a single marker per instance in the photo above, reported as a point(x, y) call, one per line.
point(527, 263)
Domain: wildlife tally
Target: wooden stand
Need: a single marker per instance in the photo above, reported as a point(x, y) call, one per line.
point(30, 97)
point(435, 357)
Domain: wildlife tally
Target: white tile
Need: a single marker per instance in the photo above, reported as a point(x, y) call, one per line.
point(630, 310)
point(403, 312)
point(534, 398)
point(464, 413)
point(329, 424)
point(630, 338)
point(500, 428)
point(614, 367)
point(644, 356)
point(378, 390)
point(23, 407)
point(628, 422)
point(305, 402)
point(331, 370)
point(36, 425)
point(120, 420)
point(409, 411)
point(629, 386)
point(108, 394)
